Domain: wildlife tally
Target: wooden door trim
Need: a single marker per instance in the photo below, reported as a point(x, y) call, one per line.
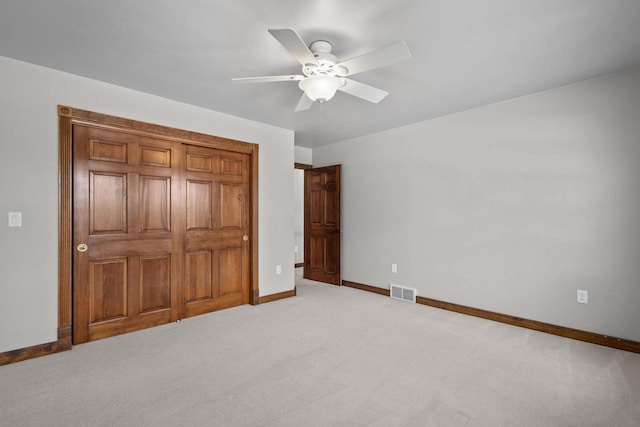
point(253, 209)
point(27, 353)
point(106, 121)
point(562, 331)
point(278, 296)
point(302, 167)
point(65, 227)
point(67, 117)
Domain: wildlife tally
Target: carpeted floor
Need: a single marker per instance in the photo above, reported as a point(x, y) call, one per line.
point(331, 356)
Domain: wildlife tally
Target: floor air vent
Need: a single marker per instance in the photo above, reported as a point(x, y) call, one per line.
point(405, 294)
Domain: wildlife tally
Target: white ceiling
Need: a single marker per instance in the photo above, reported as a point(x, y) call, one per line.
point(465, 53)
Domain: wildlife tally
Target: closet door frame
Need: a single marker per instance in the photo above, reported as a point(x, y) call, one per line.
point(67, 118)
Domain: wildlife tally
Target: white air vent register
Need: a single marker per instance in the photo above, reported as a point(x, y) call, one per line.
point(403, 293)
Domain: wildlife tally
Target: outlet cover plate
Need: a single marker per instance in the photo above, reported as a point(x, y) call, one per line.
point(15, 219)
point(583, 296)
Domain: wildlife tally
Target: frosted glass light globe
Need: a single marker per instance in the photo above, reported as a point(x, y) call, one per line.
point(320, 88)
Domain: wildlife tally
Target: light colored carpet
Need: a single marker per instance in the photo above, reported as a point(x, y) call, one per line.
point(331, 356)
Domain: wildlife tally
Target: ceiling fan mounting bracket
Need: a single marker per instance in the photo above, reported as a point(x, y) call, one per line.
point(320, 46)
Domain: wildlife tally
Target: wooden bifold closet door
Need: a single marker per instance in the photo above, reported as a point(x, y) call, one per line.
point(160, 231)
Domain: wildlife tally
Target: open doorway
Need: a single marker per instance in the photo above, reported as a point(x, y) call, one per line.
point(299, 219)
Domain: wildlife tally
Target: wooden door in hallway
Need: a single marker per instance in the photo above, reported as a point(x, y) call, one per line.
point(322, 224)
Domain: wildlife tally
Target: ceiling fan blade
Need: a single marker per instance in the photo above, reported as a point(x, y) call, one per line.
point(295, 45)
point(304, 104)
point(266, 79)
point(378, 58)
point(364, 91)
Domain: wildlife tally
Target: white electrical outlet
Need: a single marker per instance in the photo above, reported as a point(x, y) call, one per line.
point(394, 268)
point(278, 269)
point(295, 249)
point(583, 296)
point(15, 219)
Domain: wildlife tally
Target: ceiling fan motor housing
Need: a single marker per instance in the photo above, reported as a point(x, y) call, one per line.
point(321, 49)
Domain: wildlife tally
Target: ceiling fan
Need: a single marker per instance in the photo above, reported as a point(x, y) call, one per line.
point(322, 74)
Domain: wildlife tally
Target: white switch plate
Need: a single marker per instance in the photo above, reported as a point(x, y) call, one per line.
point(394, 268)
point(583, 296)
point(15, 219)
point(278, 269)
point(295, 249)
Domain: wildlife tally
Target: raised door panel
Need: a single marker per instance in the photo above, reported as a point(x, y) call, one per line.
point(198, 205)
point(155, 283)
point(198, 277)
point(330, 211)
point(320, 249)
point(316, 253)
point(331, 246)
point(230, 204)
point(329, 177)
point(317, 207)
point(231, 166)
point(108, 286)
point(314, 179)
point(107, 203)
point(108, 151)
point(155, 204)
point(230, 270)
point(155, 156)
point(197, 162)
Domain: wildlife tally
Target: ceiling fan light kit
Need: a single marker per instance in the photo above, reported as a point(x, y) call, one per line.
point(323, 75)
point(321, 88)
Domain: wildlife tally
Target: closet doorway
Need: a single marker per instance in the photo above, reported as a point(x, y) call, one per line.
point(156, 224)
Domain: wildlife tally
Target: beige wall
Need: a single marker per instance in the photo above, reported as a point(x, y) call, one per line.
point(29, 183)
point(510, 207)
point(303, 155)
